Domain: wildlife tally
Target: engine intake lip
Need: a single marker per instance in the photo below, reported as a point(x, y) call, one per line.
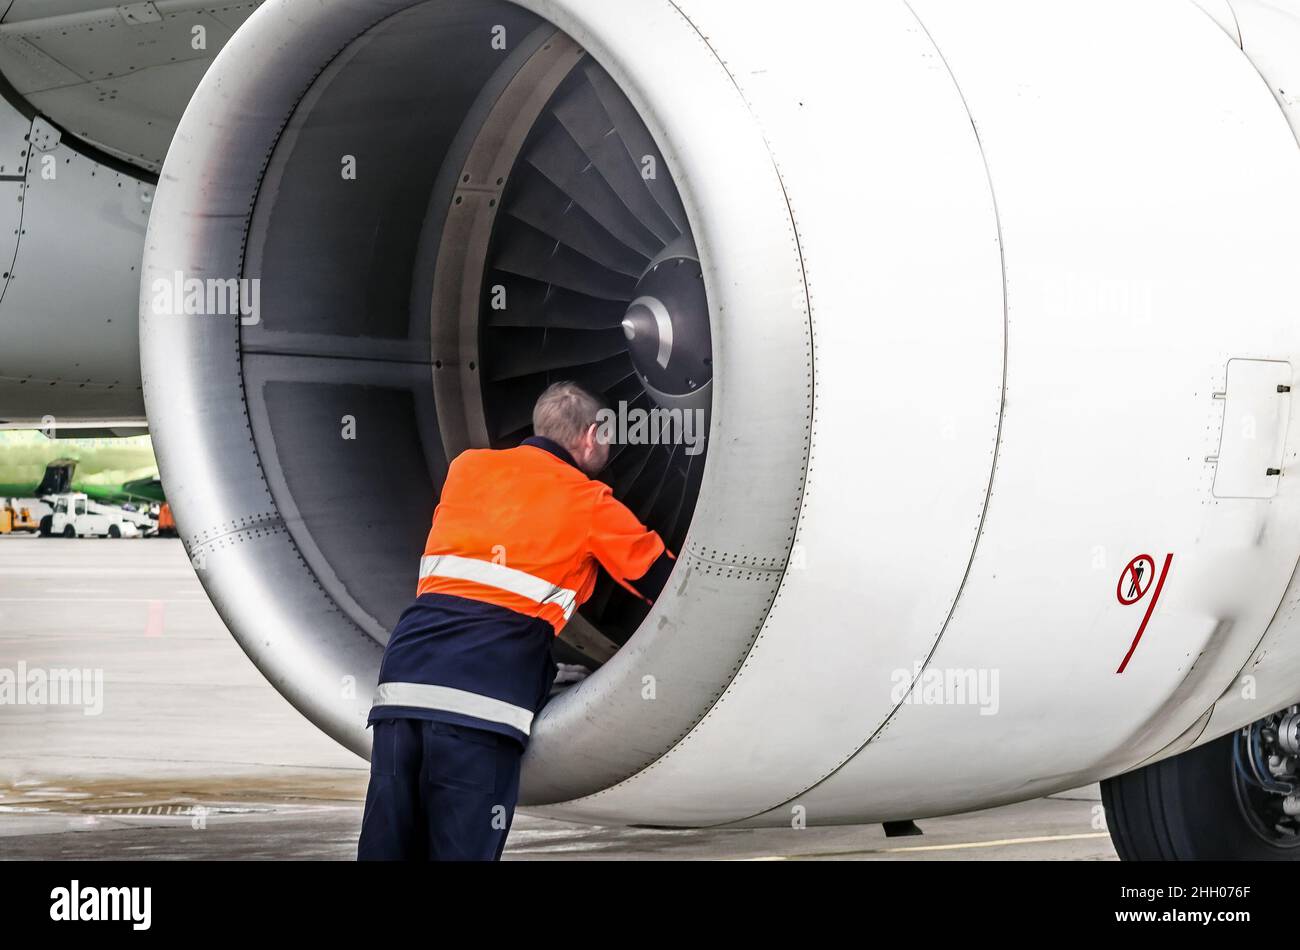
point(246, 544)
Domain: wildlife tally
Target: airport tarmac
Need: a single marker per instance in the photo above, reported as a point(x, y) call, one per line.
point(189, 753)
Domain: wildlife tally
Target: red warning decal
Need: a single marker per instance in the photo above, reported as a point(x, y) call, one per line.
point(1134, 584)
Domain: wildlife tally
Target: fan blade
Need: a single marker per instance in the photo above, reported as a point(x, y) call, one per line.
point(539, 351)
point(640, 145)
point(532, 303)
point(599, 377)
point(541, 205)
point(557, 156)
point(644, 507)
point(510, 408)
point(582, 114)
point(530, 253)
point(588, 204)
point(635, 466)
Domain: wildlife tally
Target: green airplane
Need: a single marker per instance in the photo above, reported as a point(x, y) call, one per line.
point(108, 470)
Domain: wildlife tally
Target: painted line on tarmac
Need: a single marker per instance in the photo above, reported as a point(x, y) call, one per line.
point(998, 843)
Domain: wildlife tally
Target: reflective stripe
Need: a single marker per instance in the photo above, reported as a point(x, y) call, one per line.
point(424, 696)
point(501, 577)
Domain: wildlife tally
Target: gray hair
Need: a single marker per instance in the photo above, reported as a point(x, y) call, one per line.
point(565, 412)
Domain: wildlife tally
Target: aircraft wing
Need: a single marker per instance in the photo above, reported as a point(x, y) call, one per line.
point(90, 96)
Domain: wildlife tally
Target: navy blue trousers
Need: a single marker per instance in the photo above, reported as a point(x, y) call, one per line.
point(438, 792)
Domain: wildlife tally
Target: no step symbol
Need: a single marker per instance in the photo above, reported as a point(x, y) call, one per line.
point(1134, 584)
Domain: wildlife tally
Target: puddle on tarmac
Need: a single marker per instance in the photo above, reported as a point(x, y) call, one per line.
point(231, 795)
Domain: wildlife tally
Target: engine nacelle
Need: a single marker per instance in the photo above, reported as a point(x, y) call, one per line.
point(1000, 301)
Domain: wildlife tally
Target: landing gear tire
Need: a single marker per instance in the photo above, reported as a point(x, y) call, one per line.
point(1199, 806)
point(47, 526)
point(69, 531)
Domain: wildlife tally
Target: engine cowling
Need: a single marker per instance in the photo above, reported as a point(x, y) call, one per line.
point(952, 296)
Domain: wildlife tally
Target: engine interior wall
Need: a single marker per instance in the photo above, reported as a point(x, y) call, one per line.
point(340, 247)
point(334, 242)
point(262, 578)
point(257, 578)
point(350, 524)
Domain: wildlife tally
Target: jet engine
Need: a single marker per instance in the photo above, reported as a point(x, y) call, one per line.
point(988, 311)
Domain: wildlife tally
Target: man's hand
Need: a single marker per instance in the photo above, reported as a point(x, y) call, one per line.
point(570, 674)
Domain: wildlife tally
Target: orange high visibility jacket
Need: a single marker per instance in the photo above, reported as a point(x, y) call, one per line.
point(525, 529)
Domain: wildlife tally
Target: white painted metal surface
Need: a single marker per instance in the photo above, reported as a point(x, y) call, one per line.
point(1006, 252)
point(116, 75)
point(71, 235)
point(1267, 681)
point(1139, 260)
point(1221, 12)
point(899, 232)
point(1270, 36)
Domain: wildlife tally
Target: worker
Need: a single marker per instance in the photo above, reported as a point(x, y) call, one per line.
point(513, 552)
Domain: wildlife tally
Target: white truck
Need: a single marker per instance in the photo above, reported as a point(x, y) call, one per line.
point(76, 516)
